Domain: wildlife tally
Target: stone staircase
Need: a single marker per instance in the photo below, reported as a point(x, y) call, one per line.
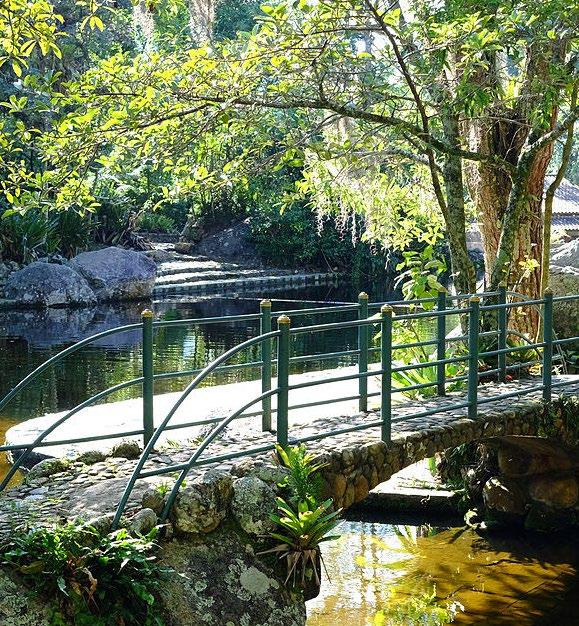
point(200, 275)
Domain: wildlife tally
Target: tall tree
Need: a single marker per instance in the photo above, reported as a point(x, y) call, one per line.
point(472, 89)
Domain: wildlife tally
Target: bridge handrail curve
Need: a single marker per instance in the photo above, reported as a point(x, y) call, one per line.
point(186, 467)
point(192, 385)
point(209, 320)
point(473, 309)
point(60, 355)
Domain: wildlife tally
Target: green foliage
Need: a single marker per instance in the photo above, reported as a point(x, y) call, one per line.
point(303, 521)
point(96, 580)
point(301, 531)
point(296, 238)
point(303, 480)
point(34, 234)
point(560, 418)
point(234, 16)
point(422, 270)
point(454, 463)
point(571, 356)
point(522, 354)
point(426, 375)
point(410, 332)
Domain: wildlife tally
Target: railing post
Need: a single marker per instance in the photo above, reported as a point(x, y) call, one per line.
point(148, 381)
point(363, 352)
point(473, 326)
point(441, 344)
point(265, 327)
point(386, 365)
point(283, 357)
point(548, 348)
point(502, 328)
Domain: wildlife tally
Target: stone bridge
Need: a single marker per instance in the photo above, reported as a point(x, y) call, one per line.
point(221, 515)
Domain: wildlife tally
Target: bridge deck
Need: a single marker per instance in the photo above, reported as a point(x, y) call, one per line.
point(204, 403)
point(88, 491)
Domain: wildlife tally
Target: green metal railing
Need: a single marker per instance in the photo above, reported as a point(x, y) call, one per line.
point(368, 319)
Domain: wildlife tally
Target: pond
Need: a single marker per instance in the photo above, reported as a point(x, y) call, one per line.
point(409, 574)
point(28, 338)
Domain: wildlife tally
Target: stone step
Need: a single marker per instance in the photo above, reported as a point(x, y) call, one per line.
point(233, 285)
point(194, 265)
point(194, 277)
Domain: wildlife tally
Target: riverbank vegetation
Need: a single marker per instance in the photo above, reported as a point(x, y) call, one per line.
point(404, 125)
point(92, 578)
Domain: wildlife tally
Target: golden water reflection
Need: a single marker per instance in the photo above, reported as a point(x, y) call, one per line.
point(5, 424)
point(387, 575)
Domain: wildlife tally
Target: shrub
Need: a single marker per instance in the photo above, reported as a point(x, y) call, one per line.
point(303, 522)
point(96, 580)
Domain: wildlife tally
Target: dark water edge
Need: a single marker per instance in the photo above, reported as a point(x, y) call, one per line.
point(28, 338)
point(403, 571)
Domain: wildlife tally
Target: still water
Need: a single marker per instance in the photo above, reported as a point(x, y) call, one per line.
point(385, 574)
point(28, 338)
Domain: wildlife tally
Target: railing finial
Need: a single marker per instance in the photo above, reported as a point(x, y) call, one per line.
point(147, 313)
point(265, 303)
point(363, 296)
point(386, 309)
point(283, 319)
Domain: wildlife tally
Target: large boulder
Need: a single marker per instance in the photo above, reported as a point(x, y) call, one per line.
point(21, 605)
point(47, 285)
point(222, 580)
point(564, 280)
point(233, 243)
point(117, 274)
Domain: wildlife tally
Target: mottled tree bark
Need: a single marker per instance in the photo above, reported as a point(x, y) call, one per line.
point(201, 19)
point(462, 267)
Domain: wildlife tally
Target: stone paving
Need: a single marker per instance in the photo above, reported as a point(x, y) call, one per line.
point(355, 462)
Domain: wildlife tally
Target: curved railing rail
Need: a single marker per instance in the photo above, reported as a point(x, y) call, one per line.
point(436, 310)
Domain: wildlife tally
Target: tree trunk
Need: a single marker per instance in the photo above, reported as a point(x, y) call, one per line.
point(509, 211)
point(201, 19)
point(463, 271)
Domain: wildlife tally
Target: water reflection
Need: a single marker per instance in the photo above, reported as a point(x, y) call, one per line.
point(391, 575)
point(28, 338)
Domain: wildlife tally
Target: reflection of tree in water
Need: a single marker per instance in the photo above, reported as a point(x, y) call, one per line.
point(28, 338)
point(412, 597)
point(508, 579)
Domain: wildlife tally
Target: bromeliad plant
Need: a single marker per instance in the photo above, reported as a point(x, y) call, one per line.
point(301, 532)
point(303, 521)
point(303, 480)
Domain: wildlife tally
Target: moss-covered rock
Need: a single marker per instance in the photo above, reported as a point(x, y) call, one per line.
point(201, 507)
point(20, 606)
point(48, 467)
point(252, 504)
point(220, 581)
